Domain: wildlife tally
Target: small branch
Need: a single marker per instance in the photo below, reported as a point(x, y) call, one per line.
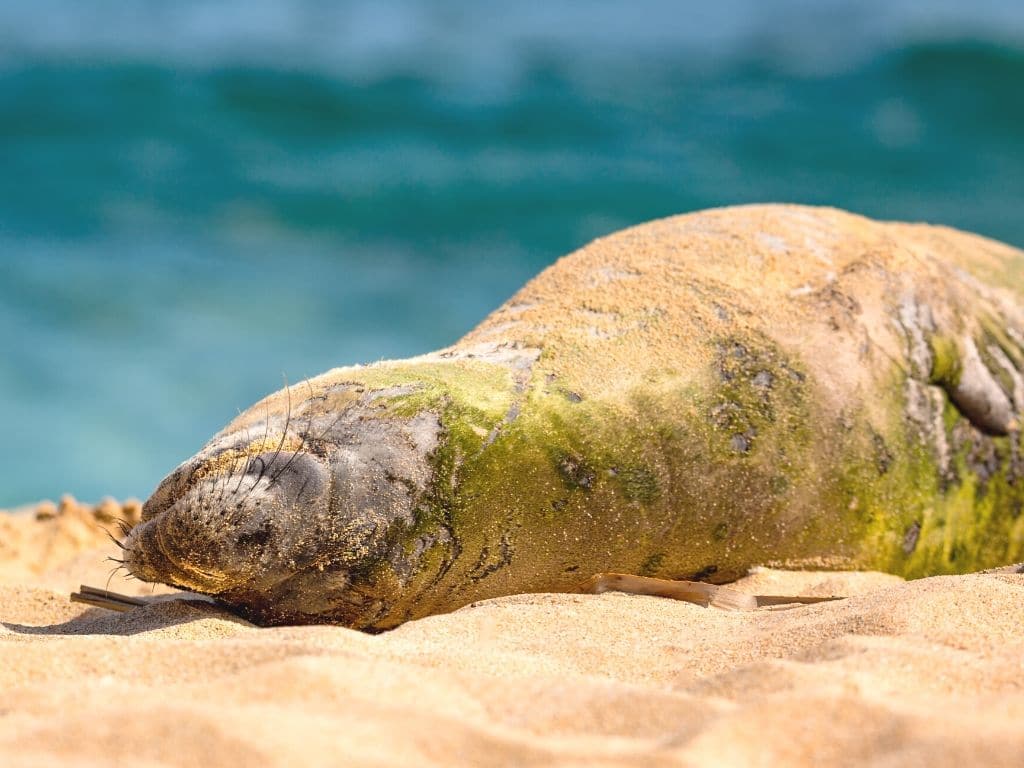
point(102, 598)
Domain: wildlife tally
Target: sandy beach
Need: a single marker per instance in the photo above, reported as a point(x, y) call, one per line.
point(929, 672)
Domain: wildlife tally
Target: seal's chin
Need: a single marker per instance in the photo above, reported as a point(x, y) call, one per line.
point(310, 596)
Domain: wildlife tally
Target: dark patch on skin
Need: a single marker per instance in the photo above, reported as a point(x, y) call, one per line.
point(650, 566)
point(1016, 468)
point(258, 537)
point(883, 456)
point(842, 307)
point(955, 552)
point(705, 573)
point(721, 532)
point(740, 443)
point(724, 414)
point(639, 484)
point(436, 503)
point(572, 569)
point(721, 312)
point(794, 374)
point(355, 386)
point(730, 356)
point(482, 569)
point(454, 550)
point(572, 397)
point(559, 504)
point(575, 473)
point(982, 459)
point(750, 390)
point(911, 537)
point(510, 416)
point(405, 482)
point(406, 564)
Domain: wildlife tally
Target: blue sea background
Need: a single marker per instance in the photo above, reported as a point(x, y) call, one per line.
point(198, 199)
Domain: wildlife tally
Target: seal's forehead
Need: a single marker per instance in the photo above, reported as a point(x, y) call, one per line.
point(223, 455)
point(281, 422)
point(227, 460)
point(331, 392)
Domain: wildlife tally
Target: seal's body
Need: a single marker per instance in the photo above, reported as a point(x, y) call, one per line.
point(770, 385)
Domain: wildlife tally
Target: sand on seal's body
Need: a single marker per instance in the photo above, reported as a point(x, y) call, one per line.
point(917, 673)
point(688, 398)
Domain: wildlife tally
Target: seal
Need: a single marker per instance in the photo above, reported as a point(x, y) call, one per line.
point(761, 385)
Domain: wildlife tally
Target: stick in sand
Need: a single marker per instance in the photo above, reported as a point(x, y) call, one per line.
point(102, 598)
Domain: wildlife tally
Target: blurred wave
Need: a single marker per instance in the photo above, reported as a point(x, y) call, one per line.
point(197, 198)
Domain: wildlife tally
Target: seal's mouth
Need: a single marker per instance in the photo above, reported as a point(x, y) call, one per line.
point(236, 520)
point(303, 593)
point(150, 554)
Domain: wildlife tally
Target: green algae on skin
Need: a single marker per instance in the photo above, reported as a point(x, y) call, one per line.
point(762, 386)
point(946, 366)
point(888, 515)
point(702, 505)
point(574, 469)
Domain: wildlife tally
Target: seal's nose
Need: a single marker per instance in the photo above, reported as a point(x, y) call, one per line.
point(142, 555)
point(248, 529)
point(180, 546)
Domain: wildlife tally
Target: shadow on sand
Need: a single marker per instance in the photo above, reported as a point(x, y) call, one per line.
point(157, 613)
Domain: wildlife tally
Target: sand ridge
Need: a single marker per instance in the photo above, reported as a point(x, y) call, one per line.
point(902, 673)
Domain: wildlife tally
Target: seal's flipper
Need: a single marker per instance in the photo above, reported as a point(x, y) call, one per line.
point(707, 595)
point(978, 395)
point(691, 591)
point(1015, 568)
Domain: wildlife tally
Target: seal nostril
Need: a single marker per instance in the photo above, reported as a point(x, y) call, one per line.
point(256, 538)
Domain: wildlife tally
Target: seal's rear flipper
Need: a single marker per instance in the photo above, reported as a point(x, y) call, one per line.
point(978, 394)
point(707, 595)
point(1015, 568)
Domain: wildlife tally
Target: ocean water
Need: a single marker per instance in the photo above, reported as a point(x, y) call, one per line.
point(200, 200)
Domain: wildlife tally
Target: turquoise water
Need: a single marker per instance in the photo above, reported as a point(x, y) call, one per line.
point(199, 200)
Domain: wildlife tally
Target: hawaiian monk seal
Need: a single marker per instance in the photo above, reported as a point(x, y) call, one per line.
point(773, 385)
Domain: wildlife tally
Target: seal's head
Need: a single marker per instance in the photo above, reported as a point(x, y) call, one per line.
point(293, 511)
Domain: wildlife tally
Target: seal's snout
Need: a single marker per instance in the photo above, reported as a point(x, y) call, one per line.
point(233, 527)
point(308, 513)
